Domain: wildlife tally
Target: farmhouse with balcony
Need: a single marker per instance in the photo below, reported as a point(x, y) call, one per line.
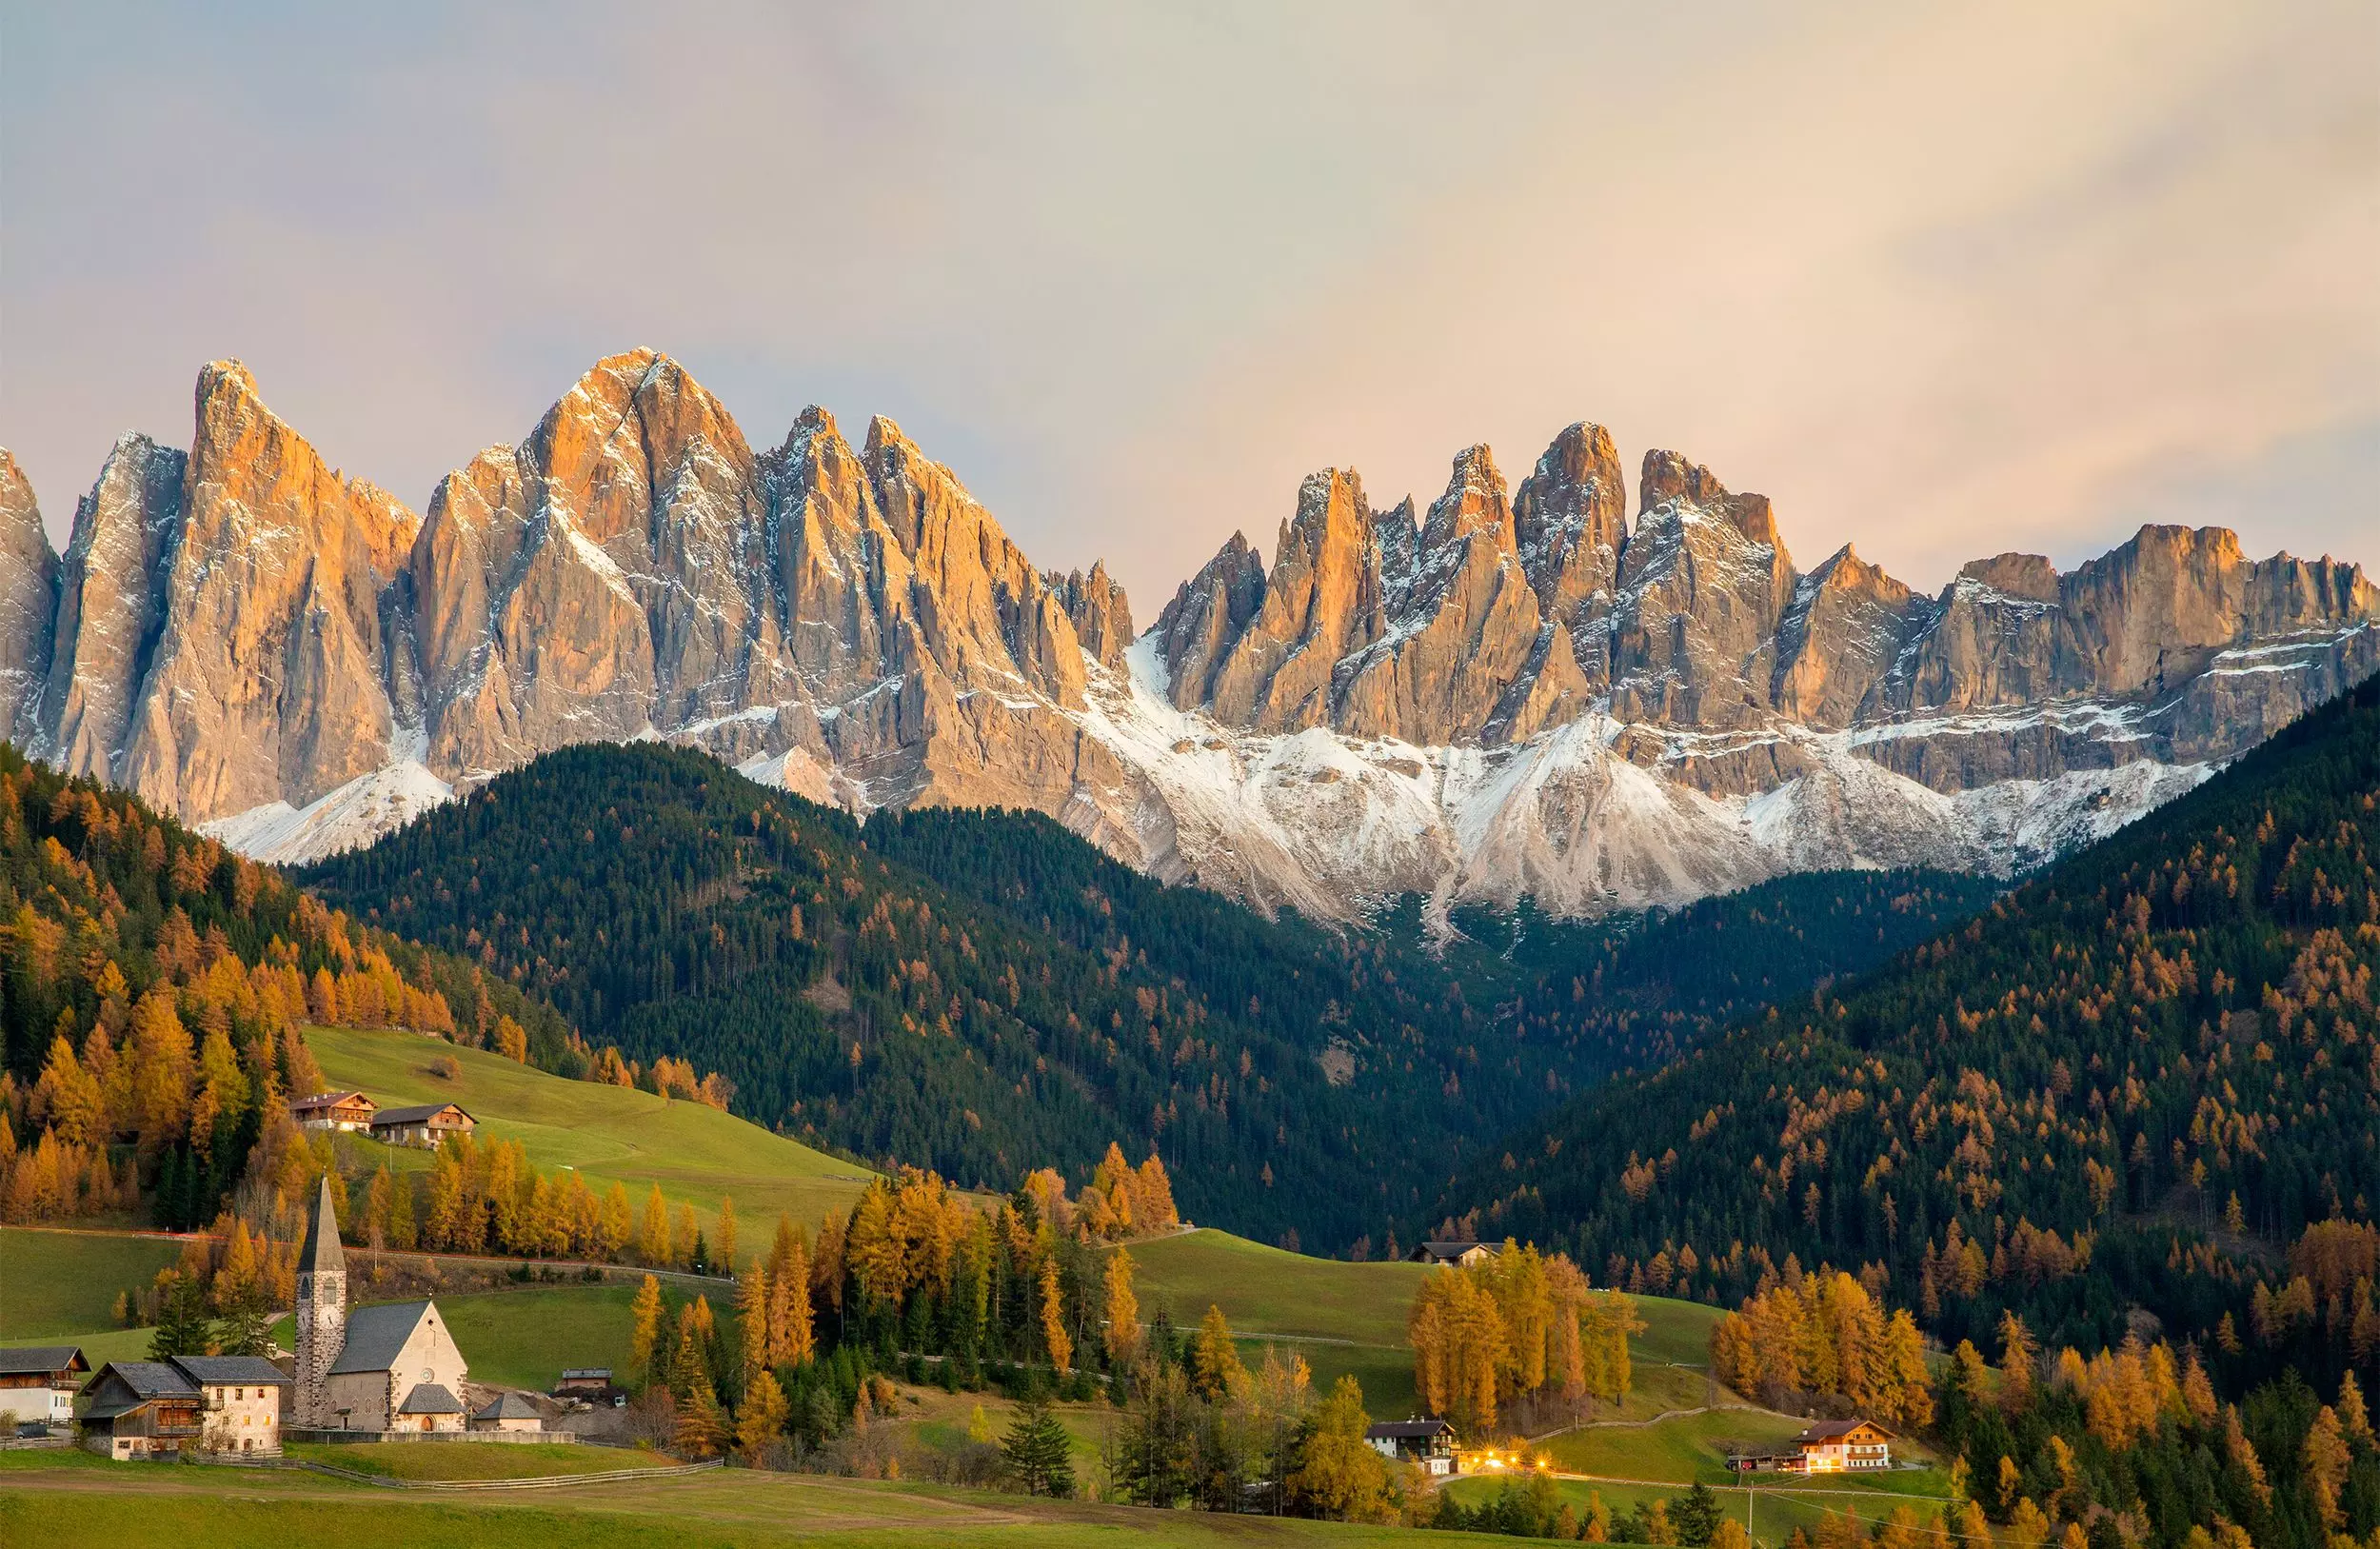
point(1429, 1443)
point(207, 1403)
point(1832, 1446)
point(39, 1382)
point(350, 1111)
point(1453, 1255)
point(427, 1125)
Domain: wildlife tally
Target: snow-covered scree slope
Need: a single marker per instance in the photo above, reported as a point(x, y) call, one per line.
point(1508, 693)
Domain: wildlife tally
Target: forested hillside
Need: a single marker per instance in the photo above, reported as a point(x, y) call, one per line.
point(153, 991)
point(2147, 1080)
point(984, 993)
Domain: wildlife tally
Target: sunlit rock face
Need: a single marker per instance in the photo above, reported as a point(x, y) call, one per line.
point(1519, 690)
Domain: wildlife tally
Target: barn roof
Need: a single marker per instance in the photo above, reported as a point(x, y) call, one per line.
point(25, 1359)
point(421, 1113)
point(253, 1370)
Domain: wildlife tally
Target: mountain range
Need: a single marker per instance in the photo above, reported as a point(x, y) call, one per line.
point(1520, 691)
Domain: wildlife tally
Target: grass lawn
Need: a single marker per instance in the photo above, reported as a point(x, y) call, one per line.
point(1686, 1448)
point(1773, 1513)
point(523, 1338)
point(610, 1133)
point(1347, 1317)
point(473, 1460)
point(62, 1283)
point(137, 1506)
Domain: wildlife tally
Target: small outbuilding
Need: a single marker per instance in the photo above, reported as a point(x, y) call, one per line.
point(427, 1125)
point(508, 1412)
point(38, 1382)
point(1425, 1442)
point(1453, 1255)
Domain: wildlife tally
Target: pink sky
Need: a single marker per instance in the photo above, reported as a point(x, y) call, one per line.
point(1940, 281)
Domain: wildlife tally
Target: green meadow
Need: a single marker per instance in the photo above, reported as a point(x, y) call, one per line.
point(611, 1134)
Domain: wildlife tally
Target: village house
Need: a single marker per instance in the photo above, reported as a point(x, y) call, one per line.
point(205, 1403)
point(1427, 1442)
point(427, 1126)
point(391, 1367)
point(140, 1409)
point(508, 1412)
point(39, 1382)
point(350, 1111)
point(1455, 1255)
point(1832, 1446)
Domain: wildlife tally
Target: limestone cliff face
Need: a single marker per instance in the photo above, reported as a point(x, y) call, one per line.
point(1321, 601)
point(29, 601)
point(1466, 623)
point(1209, 612)
point(1519, 691)
point(111, 604)
point(1568, 523)
point(270, 675)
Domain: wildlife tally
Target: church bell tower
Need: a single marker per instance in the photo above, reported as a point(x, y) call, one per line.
point(322, 1313)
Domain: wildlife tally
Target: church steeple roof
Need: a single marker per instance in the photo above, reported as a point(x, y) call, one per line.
point(321, 1251)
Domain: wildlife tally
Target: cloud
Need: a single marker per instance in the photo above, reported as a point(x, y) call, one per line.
point(1936, 281)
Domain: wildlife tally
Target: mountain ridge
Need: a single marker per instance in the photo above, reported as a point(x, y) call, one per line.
point(1518, 692)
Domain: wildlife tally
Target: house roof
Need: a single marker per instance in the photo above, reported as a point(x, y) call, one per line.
point(586, 1374)
point(1834, 1430)
point(1417, 1430)
point(1454, 1250)
point(146, 1381)
point(376, 1333)
point(509, 1407)
point(420, 1114)
point(253, 1371)
point(42, 1357)
point(321, 1252)
point(430, 1399)
point(330, 1100)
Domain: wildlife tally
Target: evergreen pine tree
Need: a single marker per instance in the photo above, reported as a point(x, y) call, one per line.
point(1035, 1453)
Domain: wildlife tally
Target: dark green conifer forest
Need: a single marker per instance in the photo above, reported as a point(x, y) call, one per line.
point(983, 993)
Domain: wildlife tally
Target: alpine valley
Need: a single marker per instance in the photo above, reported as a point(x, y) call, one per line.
point(1518, 692)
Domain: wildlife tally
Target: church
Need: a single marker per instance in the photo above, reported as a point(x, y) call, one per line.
point(385, 1368)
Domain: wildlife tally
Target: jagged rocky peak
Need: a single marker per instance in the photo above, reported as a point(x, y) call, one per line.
point(1465, 632)
point(2025, 577)
point(1841, 639)
point(1100, 614)
point(1705, 583)
point(271, 677)
point(1321, 599)
point(29, 598)
point(1669, 480)
point(1196, 630)
point(1568, 518)
point(1475, 501)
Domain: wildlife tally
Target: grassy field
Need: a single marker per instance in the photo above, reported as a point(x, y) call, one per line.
point(610, 1133)
point(66, 1282)
point(466, 1460)
point(137, 1506)
point(1347, 1317)
point(523, 1338)
point(1772, 1512)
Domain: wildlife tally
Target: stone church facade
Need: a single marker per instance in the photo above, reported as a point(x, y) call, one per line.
point(394, 1367)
